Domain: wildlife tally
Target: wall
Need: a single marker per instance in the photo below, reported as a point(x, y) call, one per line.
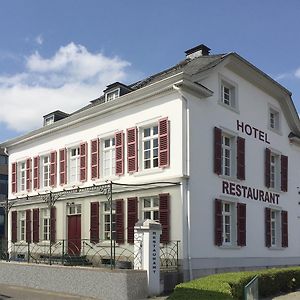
point(97, 283)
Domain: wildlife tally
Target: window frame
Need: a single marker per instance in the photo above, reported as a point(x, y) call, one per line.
point(225, 83)
point(276, 233)
point(77, 165)
point(277, 119)
point(150, 138)
point(115, 92)
point(22, 225)
point(112, 156)
point(49, 120)
point(21, 177)
point(45, 215)
point(105, 212)
point(275, 170)
point(42, 171)
point(152, 208)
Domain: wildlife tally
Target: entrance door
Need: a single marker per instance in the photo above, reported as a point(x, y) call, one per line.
point(74, 234)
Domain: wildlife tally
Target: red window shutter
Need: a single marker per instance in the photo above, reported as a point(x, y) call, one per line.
point(94, 230)
point(132, 218)
point(53, 168)
point(240, 158)
point(28, 174)
point(83, 161)
point(120, 221)
point(241, 224)
point(36, 172)
point(164, 143)
point(14, 222)
point(132, 150)
point(53, 224)
point(95, 159)
point(218, 223)
point(28, 226)
point(164, 217)
point(217, 150)
point(267, 167)
point(63, 166)
point(119, 142)
point(268, 227)
point(284, 173)
point(14, 177)
point(36, 225)
point(284, 229)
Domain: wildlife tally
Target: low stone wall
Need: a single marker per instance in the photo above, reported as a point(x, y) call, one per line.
point(87, 282)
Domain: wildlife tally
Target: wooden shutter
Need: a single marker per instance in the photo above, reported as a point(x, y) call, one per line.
point(240, 158)
point(217, 150)
point(120, 221)
point(36, 172)
point(28, 226)
point(163, 143)
point(83, 161)
point(28, 174)
point(14, 177)
point(36, 225)
point(268, 227)
point(63, 166)
point(119, 142)
point(95, 159)
point(132, 218)
point(267, 167)
point(132, 150)
point(284, 229)
point(53, 224)
point(164, 217)
point(94, 230)
point(284, 173)
point(241, 224)
point(218, 223)
point(53, 168)
point(14, 222)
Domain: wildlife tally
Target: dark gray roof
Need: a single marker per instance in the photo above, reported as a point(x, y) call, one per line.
point(188, 66)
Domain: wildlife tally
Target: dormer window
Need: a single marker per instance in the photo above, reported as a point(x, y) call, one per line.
point(49, 120)
point(112, 95)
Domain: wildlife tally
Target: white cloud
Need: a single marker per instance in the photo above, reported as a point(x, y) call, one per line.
point(67, 81)
point(297, 73)
point(39, 40)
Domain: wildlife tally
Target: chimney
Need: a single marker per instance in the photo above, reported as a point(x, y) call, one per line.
point(200, 50)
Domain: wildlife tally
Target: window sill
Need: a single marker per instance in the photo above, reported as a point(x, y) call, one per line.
point(234, 109)
point(230, 247)
point(277, 131)
point(229, 178)
point(148, 172)
point(276, 248)
point(274, 190)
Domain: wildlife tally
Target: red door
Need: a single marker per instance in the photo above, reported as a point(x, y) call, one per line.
point(74, 234)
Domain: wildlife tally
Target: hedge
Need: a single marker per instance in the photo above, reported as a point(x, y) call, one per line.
point(227, 286)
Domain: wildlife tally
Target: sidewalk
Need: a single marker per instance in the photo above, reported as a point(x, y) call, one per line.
point(291, 296)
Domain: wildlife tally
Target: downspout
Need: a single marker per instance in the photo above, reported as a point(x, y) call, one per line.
point(186, 189)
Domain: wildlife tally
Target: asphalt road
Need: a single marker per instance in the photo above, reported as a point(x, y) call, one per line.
point(8, 292)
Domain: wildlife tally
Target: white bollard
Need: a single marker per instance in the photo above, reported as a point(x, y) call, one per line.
point(146, 252)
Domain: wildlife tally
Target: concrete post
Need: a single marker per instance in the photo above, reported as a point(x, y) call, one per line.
point(146, 252)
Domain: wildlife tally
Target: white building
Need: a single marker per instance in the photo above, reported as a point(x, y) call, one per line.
point(215, 124)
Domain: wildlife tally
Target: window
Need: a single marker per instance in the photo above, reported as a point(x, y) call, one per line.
point(274, 171)
point(228, 154)
point(73, 209)
point(74, 165)
point(276, 222)
point(150, 147)
point(228, 94)
point(150, 208)
point(22, 225)
point(108, 157)
point(49, 120)
point(274, 119)
point(3, 160)
point(112, 95)
point(106, 220)
point(45, 170)
point(21, 176)
point(230, 223)
point(45, 218)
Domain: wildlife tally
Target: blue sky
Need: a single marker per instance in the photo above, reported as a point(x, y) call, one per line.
point(60, 54)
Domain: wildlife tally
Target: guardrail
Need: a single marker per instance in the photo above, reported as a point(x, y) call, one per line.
point(84, 253)
point(251, 289)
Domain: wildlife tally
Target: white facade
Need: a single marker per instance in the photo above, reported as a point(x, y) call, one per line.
point(227, 93)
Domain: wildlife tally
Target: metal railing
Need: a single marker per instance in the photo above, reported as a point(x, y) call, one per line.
point(251, 289)
point(84, 253)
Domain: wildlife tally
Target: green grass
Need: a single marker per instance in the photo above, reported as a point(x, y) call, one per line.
point(228, 286)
